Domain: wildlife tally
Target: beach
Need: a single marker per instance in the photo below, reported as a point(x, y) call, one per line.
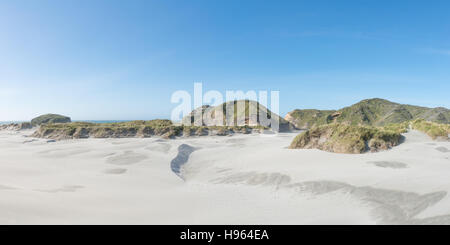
point(240, 179)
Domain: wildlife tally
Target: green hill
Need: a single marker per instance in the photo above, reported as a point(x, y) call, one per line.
point(373, 112)
point(308, 118)
point(50, 118)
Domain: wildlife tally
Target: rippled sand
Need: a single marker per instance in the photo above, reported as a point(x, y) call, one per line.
point(243, 179)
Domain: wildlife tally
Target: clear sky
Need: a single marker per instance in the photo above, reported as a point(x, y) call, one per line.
point(105, 59)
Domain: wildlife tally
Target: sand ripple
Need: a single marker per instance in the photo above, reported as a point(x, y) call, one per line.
point(442, 149)
point(388, 206)
point(115, 171)
point(66, 188)
point(389, 164)
point(127, 158)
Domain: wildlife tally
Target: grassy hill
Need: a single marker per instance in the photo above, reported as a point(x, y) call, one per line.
point(373, 112)
point(248, 116)
point(50, 118)
point(308, 118)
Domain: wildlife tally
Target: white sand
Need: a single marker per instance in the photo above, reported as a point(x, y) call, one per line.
point(247, 179)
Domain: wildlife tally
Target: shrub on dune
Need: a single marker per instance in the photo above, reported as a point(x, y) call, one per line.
point(435, 130)
point(344, 138)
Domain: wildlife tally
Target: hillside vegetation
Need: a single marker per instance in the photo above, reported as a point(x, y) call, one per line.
point(308, 118)
point(372, 112)
point(50, 118)
point(347, 138)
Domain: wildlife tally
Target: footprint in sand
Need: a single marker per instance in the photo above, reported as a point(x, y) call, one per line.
point(127, 158)
point(115, 171)
point(389, 164)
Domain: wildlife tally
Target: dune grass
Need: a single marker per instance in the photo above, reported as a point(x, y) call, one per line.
point(397, 127)
point(158, 127)
point(345, 138)
point(130, 124)
point(434, 130)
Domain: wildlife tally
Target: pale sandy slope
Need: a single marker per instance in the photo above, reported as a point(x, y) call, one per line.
point(251, 179)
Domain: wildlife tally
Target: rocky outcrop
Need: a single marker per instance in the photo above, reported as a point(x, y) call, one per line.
point(343, 138)
point(50, 118)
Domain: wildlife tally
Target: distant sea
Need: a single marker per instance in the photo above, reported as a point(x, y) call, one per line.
point(102, 121)
point(91, 121)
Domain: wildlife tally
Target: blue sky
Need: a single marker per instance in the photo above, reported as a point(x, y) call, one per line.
point(105, 59)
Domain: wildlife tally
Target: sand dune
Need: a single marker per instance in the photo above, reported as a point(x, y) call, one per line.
point(244, 179)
